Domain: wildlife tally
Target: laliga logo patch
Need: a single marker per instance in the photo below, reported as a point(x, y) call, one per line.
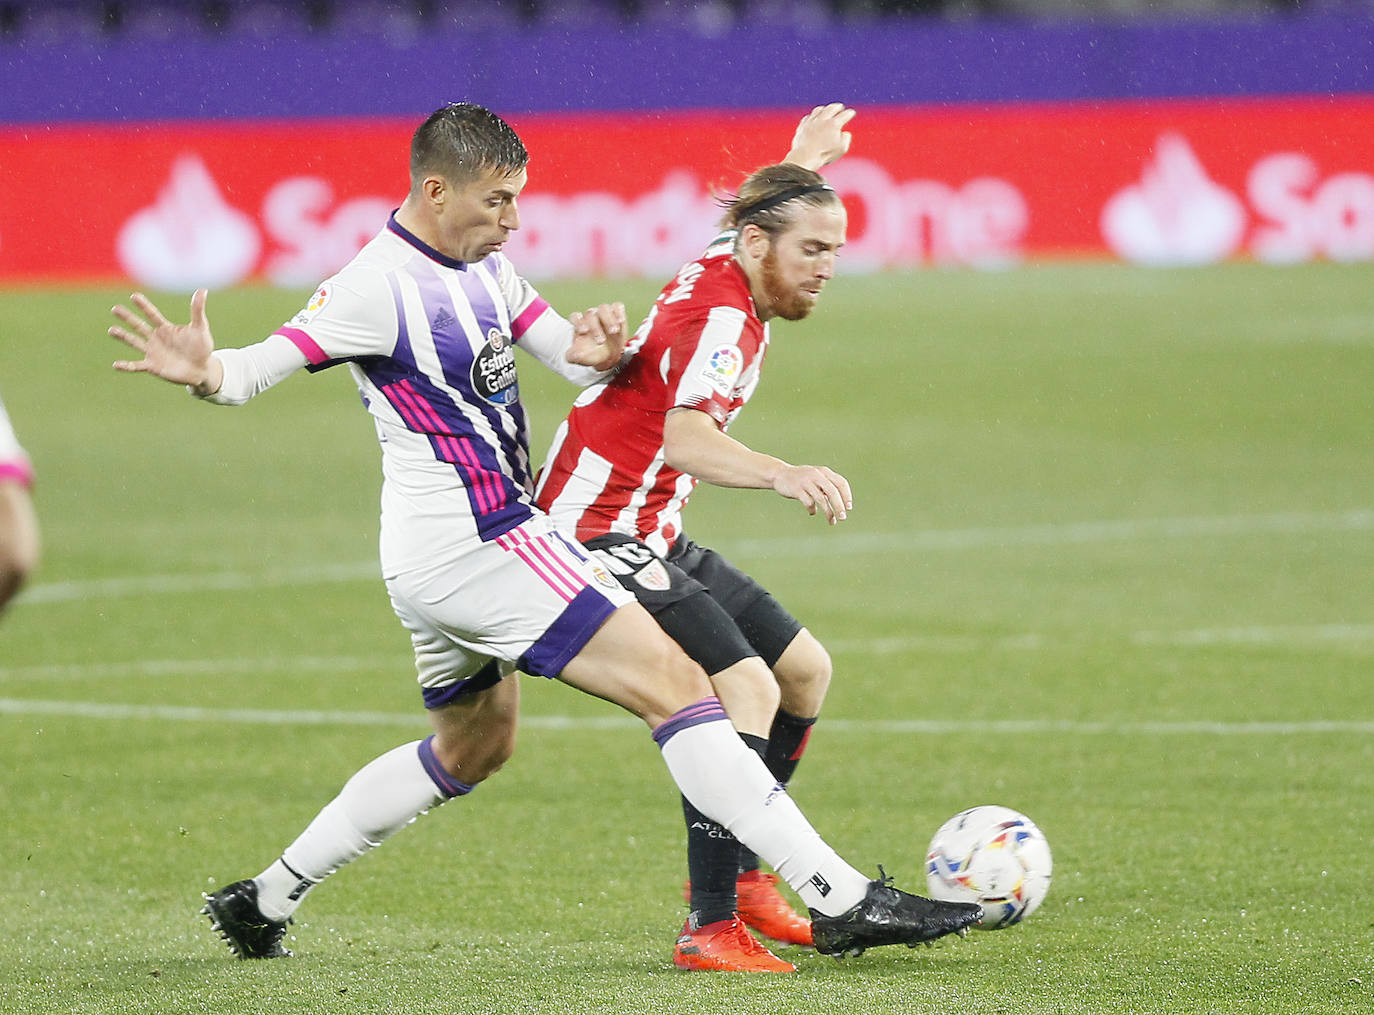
point(723, 367)
point(654, 576)
point(316, 304)
point(493, 370)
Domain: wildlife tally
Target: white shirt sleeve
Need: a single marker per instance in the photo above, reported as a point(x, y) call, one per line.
point(540, 330)
point(253, 369)
point(548, 340)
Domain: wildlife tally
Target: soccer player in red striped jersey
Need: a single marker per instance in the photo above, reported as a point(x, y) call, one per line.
point(625, 461)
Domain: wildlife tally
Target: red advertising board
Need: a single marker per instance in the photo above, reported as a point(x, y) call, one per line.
point(178, 205)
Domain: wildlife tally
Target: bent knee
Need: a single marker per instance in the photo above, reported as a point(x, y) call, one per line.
point(750, 678)
point(803, 673)
point(474, 762)
point(750, 694)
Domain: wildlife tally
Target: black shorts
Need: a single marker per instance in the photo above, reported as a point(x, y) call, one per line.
point(712, 609)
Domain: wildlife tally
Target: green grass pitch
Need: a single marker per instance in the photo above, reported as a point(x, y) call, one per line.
point(1110, 563)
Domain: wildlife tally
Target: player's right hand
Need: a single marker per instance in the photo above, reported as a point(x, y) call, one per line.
point(179, 353)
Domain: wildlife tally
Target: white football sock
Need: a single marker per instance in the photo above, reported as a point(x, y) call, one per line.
point(731, 785)
point(383, 797)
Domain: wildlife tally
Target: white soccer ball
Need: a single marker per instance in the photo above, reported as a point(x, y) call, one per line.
point(994, 856)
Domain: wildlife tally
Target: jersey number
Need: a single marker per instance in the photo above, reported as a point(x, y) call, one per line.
point(624, 558)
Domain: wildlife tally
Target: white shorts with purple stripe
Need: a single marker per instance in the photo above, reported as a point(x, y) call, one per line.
point(531, 599)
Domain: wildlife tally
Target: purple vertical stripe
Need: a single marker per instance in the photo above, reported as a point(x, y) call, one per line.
point(402, 353)
point(455, 351)
point(420, 416)
point(450, 340)
point(498, 502)
point(479, 298)
point(489, 315)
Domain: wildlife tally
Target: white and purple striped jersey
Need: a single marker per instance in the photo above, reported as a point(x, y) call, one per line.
point(14, 463)
point(429, 341)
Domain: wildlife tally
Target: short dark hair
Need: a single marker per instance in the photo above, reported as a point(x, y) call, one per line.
point(769, 198)
point(462, 141)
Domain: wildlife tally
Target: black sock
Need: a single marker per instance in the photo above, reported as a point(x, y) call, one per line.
point(786, 742)
point(713, 859)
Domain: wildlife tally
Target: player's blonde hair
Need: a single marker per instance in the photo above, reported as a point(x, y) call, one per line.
point(770, 197)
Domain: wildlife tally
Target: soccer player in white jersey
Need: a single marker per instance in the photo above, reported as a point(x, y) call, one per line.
point(625, 461)
point(18, 523)
point(425, 316)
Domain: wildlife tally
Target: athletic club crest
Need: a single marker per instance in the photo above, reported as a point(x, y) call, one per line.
point(654, 576)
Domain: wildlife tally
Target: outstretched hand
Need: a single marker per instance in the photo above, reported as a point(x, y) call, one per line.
point(817, 488)
point(599, 336)
point(821, 138)
point(179, 353)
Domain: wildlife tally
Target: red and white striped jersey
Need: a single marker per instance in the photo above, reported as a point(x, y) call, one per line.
point(701, 347)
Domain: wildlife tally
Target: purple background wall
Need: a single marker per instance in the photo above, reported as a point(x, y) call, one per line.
point(656, 66)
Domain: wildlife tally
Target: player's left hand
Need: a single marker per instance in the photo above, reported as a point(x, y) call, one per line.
point(599, 336)
point(817, 488)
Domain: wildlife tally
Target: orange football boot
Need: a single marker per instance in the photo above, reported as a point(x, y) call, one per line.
point(762, 907)
point(725, 946)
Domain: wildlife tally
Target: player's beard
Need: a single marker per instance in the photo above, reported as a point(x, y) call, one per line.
point(785, 301)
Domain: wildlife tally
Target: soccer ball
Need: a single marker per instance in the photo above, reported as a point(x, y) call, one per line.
point(994, 856)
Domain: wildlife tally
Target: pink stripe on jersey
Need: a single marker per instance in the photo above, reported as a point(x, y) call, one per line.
point(527, 317)
point(403, 398)
point(557, 579)
point(422, 415)
point(452, 451)
point(314, 355)
point(484, 484)
point(422, 418)
point(17, 472)
point(556, 565)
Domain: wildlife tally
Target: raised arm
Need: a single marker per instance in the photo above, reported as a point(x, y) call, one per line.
point(694, 444)
point(821, 138)
point(179, 353)
point(186, 354)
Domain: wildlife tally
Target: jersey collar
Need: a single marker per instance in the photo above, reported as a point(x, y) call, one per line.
point(422, 246)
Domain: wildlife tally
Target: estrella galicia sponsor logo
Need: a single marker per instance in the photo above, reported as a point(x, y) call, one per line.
point(493, 370)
